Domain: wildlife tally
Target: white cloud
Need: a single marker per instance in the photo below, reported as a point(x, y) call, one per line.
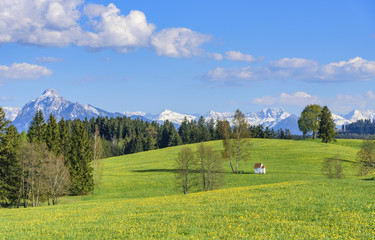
point(343, 103)
point(215, 56)
point(178, 42)
point(296, 99)
point(63, 22)
point(238, 56)
point(113, 30)
point(22, 71)
point(356, 69)
point(45, 23)
point(48, 59)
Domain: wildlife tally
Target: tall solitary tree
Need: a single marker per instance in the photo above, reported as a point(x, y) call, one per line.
point(326, 129)
point(225, 132)
point(241, 132)
point(309, 120)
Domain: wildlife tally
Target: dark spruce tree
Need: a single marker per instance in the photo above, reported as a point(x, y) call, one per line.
point(53, 135)
point(37, 130)
point(10, 167)
point(326, 130)
point(64, 142)
point(80, 158)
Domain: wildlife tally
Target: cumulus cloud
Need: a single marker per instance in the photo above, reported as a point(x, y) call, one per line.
point(113, 30)
point(178, 42)
point(44, 23)
point(356, 69)
point(238, 56)
point(22, 71)
point(72, 22)
point(296, 99)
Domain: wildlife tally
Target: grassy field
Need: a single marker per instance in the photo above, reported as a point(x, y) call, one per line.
point(138, 199)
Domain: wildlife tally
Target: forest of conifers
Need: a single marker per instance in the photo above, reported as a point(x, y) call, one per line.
point(55, 158)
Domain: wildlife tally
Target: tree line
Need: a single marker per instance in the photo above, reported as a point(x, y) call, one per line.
point(55, 158)
point(358, 129)
point(50, 160)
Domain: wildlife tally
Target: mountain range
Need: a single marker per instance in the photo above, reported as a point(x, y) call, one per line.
point(50, 102)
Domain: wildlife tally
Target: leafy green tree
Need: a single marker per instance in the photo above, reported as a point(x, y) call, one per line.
point(310, 119)
point(37, 130)
point(366, 157)
point(326, 129)
point(80, 158)
point(224, 130)
point(211, 167)
point(10, 168)
point(242, 146)
point(332, 168)
point(186, 165)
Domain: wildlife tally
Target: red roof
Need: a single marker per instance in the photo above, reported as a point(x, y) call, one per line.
point(258, 165)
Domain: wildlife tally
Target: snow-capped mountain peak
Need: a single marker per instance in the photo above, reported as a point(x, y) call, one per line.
point(11, 112)
point(50, 102)
point(174, 117)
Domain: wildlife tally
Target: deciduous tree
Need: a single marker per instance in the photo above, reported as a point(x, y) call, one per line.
point(309, 120)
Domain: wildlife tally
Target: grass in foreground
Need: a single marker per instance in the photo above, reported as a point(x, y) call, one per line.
point(138, 200)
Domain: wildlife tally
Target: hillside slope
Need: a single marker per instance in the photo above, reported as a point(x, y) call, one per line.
point(137, 199)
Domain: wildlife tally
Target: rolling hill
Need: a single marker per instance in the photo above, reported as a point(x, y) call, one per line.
point(137, 199)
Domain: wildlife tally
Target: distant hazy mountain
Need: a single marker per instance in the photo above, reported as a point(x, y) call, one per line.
point(50, 102)
point(271, 117)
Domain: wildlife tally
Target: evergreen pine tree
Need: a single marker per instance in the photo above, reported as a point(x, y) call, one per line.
point(326, 129)
point(10, 168)
point(184, 131)
point(64, 142)
point(52, 135)
point(80, 158)
point(37, 128)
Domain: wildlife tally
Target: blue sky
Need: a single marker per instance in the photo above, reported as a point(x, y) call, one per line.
point(190, 56)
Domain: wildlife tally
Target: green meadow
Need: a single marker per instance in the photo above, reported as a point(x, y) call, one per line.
point(137, 199)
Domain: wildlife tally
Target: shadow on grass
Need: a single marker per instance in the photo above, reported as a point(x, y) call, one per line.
point(179, 170)
point(369, 179)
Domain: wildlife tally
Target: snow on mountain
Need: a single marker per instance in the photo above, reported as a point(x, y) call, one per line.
point(130, 114)
point(356, 115)
point(217, 115)
point(11, 112)
point(174, 117)
point(50, 102)
point(267, 117)
point(339, 120)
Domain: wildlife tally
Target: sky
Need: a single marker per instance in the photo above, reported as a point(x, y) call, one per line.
point(190, 56)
